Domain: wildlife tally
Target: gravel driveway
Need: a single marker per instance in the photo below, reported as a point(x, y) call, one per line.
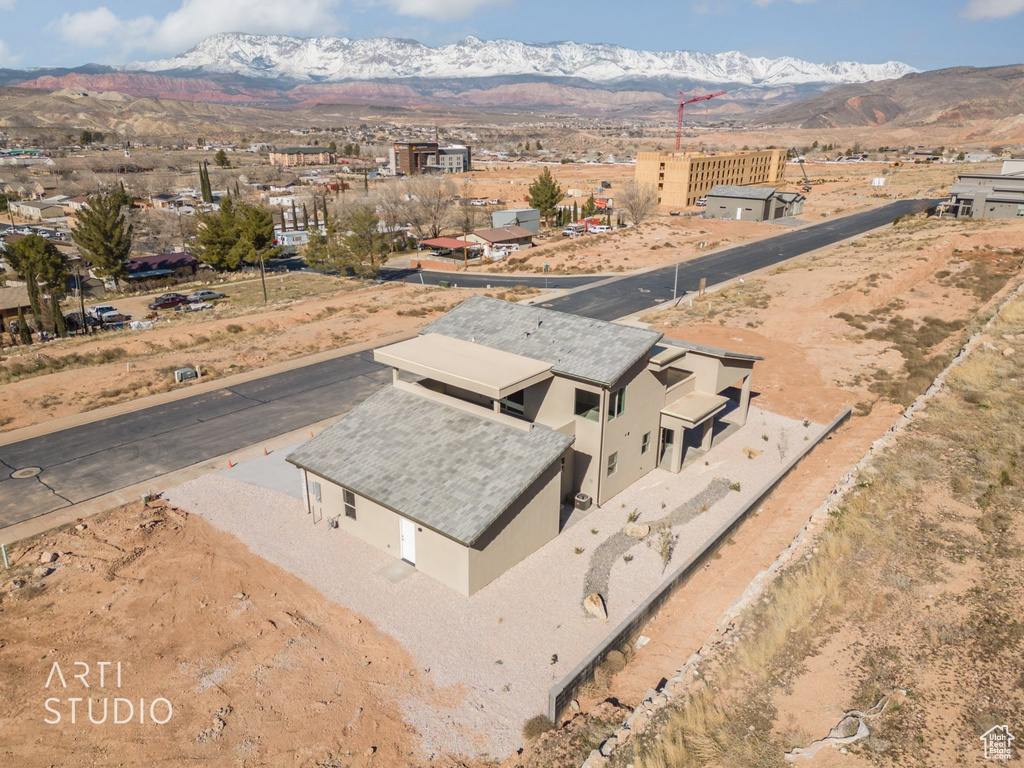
point(497, 649)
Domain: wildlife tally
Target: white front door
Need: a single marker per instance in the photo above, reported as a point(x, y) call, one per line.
point(407, 538)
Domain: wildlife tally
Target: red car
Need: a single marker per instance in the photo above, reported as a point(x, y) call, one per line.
point(168, 301)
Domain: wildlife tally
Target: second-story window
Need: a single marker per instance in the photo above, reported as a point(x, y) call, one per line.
point(588, 405)
point(617, 403)
point(514, 404)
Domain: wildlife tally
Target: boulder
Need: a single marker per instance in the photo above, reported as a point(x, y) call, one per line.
point(42, 571)
point(48, 557)
point(1008, 352)
point(636, 530)
point(594, 605)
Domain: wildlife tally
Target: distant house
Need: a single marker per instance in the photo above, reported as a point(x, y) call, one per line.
point(527, 218)
point(752, 203)
point(497, 415)
point(76, 203)
point(163, 265)
point(37, 210)
point(515, 237)
point(11, 300)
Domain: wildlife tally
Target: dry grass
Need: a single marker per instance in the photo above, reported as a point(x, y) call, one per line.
point(879, 547)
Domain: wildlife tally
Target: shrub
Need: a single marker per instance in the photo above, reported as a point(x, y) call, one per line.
point(536, 726)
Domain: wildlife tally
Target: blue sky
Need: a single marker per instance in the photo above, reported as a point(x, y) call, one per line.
point(928, 34)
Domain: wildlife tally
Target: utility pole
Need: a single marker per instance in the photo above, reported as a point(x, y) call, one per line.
point(81, 297)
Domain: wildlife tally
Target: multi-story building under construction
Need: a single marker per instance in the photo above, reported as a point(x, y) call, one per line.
point(682, 178)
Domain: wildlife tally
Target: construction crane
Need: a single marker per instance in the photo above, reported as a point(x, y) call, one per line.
point(807, 182)
point(679, 122)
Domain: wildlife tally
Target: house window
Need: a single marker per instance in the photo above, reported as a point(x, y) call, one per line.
point(350, 504)
point(617, 403)
point(645, 444)
point(588, 405)
point(314, 486)
point(613, 464)
point(514, 404)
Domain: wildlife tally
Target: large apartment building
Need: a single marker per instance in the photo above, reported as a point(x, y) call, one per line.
point(498, 416)
point(292, 156)
point(682, 178)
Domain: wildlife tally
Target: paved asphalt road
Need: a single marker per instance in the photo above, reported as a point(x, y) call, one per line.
point(84, 462)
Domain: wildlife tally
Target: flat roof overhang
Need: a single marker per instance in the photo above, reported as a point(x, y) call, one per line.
point(695, 408)
point(474, 367)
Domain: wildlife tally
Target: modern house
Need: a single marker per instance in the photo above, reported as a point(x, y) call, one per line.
point(987, 195)
point(682, 178)
point(497, 416)
point(752, 203)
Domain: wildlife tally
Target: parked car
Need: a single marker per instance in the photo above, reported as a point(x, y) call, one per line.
point(574, 230)
point(75, 321)
point(598, 229)
point(205, 296)
point(168, 301)
point(107, 314)
point(702, 201)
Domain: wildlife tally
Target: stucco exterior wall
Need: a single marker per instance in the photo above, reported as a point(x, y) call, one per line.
point(525, 527)
point(645, 397)
point(682, 178)
point(437, 556)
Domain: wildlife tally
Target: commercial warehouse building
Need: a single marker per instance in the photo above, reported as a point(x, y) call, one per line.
point(682, 178)
point(752, 203)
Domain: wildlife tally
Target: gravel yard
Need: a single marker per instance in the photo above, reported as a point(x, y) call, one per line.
point(497, 653)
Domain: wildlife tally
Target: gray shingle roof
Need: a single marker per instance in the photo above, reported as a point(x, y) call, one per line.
point(594, 350)
point(747, 193)
point(445, 468)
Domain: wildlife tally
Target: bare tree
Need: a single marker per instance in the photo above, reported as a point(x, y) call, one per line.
point(466, 217)
point(638, 200)
point(430, 204)
point(393, 208)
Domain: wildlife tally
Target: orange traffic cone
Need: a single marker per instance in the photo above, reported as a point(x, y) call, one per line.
point(230, 465)
point(265, 452)
point(311, 433)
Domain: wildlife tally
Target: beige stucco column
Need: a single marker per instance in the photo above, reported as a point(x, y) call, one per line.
point(741, 412)
point(709, 429)
point(394, 375)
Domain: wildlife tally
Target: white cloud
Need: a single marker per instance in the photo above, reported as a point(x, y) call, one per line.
point(993, 9)
point(440, 9)
point(6, 5)
point(193, 21)
point(7, 59)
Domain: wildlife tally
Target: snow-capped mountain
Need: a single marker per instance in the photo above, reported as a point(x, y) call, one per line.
point(336, 59)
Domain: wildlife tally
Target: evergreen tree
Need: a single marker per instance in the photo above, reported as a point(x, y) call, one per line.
point(238, 233)
point(237, 193)
point(589, 208)
point(575, 212)
point(305, 217)
point(295, 216)
point(24, 334)
point(205, 190)
point(544, 194)
point(316, 216)
point(221, 159)
point(44, 267)
point(355, 150)
point(104, 235)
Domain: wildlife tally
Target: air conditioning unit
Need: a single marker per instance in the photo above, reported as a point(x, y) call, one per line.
point(185, 374)
point(583, 501)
